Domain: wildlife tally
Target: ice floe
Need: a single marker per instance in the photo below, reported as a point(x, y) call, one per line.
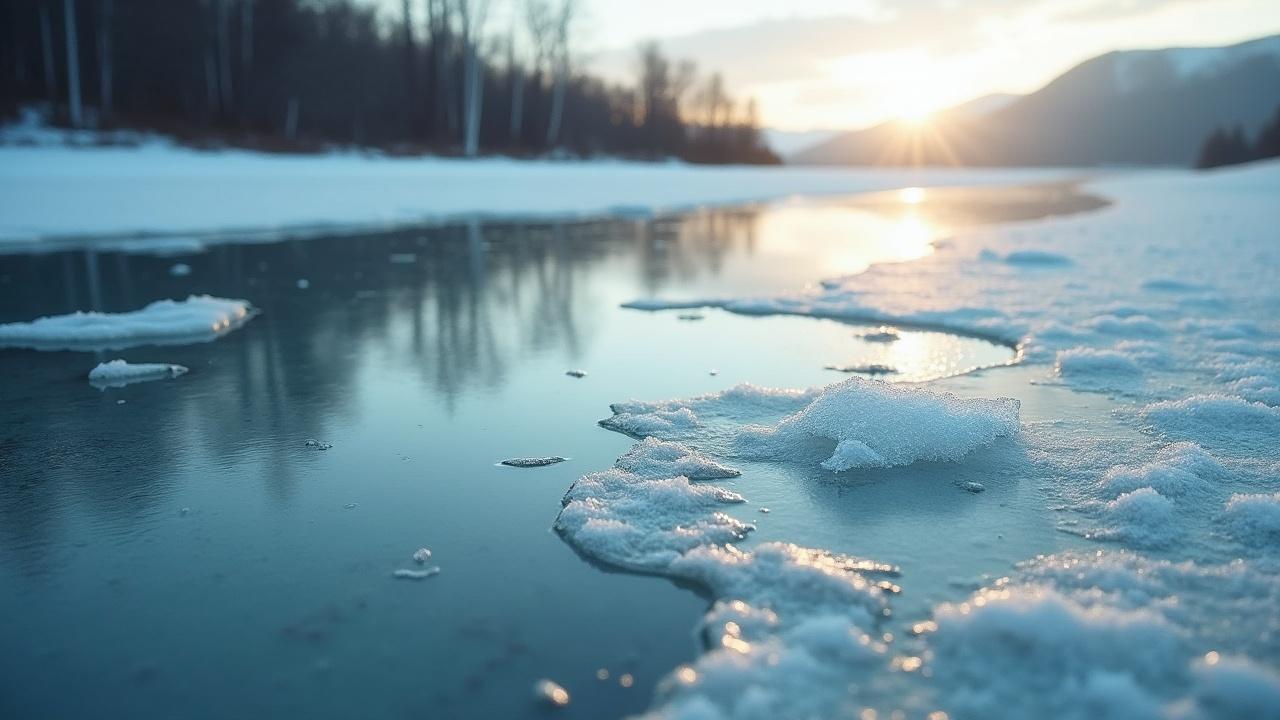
point(199, 318)
point(857, 423)
point(532, 462)
point(118, 373)
point(1219, 421)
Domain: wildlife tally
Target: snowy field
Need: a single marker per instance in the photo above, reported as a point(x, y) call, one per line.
point(157, 188)
point(1142, 421)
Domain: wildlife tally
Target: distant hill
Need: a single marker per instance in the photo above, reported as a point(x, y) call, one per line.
point(1144, 107)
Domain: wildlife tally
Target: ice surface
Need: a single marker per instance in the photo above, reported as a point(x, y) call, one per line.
point(199, 318)
point(655, 458)
point(118, 373)
point(1143, 517)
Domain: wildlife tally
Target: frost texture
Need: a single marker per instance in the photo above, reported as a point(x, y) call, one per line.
point(199, 318)
point(1109, 635)
point(1221, 421)
point(1255, 519)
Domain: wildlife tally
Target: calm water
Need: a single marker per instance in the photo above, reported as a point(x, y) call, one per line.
point(173, 549)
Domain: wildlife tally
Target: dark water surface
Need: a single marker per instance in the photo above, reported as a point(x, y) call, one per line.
point(174, 549)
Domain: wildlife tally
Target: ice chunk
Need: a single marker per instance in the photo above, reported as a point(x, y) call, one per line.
point(872, 369)
point(645, 522)
point(421, 555)
point(406, 574)
point(576, 373)
point(199, 318)
point(875, 424)
point(532, 462)
point(118, 373)
point(550, 693)
point(883, 334)
point(317, 444)
point(1036, 258)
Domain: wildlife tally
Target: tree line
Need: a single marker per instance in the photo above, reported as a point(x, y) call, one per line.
point(437, 76)
point(1231, 147)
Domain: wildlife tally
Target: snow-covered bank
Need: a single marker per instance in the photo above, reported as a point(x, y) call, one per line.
point(199, 318)
point(1166, 303)
point(50, 191)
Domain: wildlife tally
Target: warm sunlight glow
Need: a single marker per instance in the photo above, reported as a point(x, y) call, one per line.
point(911, 195)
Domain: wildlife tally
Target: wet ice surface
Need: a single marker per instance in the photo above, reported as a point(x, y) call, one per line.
point(211, 543)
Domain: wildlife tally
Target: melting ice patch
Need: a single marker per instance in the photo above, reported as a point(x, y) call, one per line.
point(118, 373)
point(199, 318)
point(857, 423)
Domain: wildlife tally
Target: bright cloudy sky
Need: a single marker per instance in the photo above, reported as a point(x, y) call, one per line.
point(850, 63)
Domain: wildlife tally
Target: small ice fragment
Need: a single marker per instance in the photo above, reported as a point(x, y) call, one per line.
point(404, 574)
point(882, 334)
point(715, 373)
point(349, 506)
point(533, 461)
point(691, 316)
point(303, 283)
point(550, 693)
point(872, 369)
point(421, 555)
point(313, 443)
point(764, 510)
point(402, 258)
point(120, 402)
point(184, 511)
point(973, 487)
point(626, 680)
point(577, 373)
point(180, 270)
point(118, 373)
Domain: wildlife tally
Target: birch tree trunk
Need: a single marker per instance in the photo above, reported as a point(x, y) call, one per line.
point(104, 60)
point(46, 48)
point(73, 61)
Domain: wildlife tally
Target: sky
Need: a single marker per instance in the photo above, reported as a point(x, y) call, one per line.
point(833, 64)
point(843, 64)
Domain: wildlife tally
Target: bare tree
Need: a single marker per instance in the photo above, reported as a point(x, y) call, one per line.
point(517, 77)
point(46, 51)
point(560, 67)
point(104, 59)
point(73, 61)
point(473, 14)
point(224, 53)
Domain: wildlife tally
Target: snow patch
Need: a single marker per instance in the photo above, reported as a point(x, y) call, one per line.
point(118, 373)
point(199, 318)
